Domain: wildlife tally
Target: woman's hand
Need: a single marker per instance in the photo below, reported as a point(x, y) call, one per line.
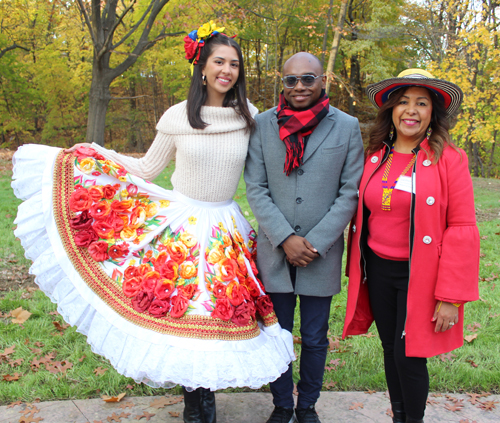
point(76, 146)
point(445, 316)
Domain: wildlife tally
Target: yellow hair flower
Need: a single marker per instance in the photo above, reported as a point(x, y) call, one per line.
point(207, 28)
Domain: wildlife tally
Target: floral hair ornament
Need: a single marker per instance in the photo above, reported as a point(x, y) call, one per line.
point(195, 40)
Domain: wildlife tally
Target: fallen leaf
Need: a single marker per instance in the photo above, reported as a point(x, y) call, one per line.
point(60, 327)
point(30, 409)
point(7, 351)
point(356, 405)
point(35, 363)
point(452, 398)
point(117, 398)
point(472, 363)
point(174, 413)
point(473, 398)
point(100, 371)
point(389, 412)
point(446, 357)
point(454, 407)
point(12, 378)
point(470, 338)
point(58, 366)
point(82, 358)
point(13, 404)
point(330, 385)
point(369, 335)
point(333, 344)
point(127, 404)
point(35, 350)
point(145, 415)
point(297, 339)
point(54, 313)
point(159, 403)
point(488, 405)
point(16, 363)
point(30, 419)
point(129, 387)
point(39, 344)
point(370, 392)
point(474, 327)
point(114, 418)
point(20, 315)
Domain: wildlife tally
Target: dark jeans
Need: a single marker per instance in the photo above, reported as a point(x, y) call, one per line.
point(407, 377)
point(314, 315)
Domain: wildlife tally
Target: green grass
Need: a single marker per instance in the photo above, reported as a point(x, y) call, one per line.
point(363, 368)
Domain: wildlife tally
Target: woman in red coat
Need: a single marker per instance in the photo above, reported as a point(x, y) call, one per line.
point(413, 256)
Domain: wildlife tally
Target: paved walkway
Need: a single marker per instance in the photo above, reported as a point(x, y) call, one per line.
point(255, 407)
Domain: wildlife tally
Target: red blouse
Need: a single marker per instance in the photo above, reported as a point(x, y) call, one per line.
point(389, 231)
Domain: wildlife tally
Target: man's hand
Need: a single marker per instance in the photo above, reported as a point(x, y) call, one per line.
point(299, 251)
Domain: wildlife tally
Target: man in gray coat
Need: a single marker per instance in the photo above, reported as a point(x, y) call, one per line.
point(303, 168)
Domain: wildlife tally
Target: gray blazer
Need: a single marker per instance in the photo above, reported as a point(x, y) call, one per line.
point(316, 201)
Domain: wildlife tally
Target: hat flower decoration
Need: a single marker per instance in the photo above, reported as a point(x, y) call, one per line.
point(195, 40)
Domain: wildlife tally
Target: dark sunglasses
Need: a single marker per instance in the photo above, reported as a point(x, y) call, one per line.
point(290, 81)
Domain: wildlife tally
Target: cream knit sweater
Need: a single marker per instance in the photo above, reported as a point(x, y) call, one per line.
point(208, 162)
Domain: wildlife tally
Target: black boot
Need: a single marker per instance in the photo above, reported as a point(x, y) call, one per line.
point(192, 406)
point(208, 405)
point(398, 412)
point(410, 420)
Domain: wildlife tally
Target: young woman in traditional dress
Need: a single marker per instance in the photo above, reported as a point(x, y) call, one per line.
point(163, 283)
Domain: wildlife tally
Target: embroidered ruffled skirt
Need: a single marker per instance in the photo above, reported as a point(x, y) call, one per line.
point(162, 285)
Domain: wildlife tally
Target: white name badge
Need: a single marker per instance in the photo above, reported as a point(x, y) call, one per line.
point(404, 184)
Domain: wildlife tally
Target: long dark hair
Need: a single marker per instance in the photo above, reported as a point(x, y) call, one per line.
point(237, 96)
point(440, 125)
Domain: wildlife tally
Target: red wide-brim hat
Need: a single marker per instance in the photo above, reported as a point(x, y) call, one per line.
point(450, 93)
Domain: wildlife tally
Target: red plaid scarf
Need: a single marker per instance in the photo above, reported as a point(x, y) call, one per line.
point(295, 125)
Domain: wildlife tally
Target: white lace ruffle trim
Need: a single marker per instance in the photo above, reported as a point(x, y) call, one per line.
point(146, 356)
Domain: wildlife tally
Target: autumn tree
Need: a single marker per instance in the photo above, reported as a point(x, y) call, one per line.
point(116, 28)
point(460, 44)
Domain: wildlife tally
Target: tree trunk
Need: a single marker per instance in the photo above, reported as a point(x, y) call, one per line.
point(325, 34)
point(354, 83)
point(99, 98)
point(478, 163)
point(492, 154)
point(335, 45)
